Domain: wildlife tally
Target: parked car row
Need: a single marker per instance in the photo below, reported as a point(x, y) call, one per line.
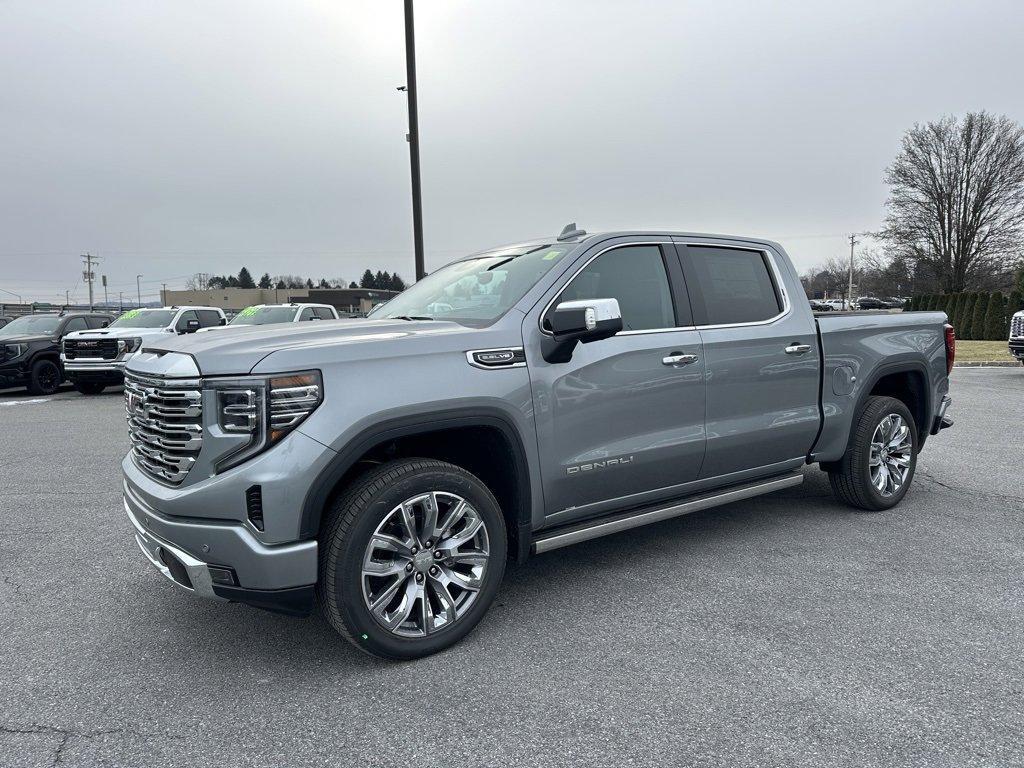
point(864, 302)
point(90, 349)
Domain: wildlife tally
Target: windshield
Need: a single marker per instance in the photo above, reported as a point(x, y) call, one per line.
point(264, 315)
point(476, 291)
point(33, 325)
point(145, 318)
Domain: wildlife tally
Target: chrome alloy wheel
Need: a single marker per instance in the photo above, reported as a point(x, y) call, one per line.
point(891, 454)
point(425, 563)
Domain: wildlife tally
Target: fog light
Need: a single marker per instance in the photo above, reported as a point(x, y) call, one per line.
point(222, 576)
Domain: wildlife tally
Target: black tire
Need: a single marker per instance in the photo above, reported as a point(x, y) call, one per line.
point(45, 378)
point(90, 387)
point(352, 520)
point(851, 476)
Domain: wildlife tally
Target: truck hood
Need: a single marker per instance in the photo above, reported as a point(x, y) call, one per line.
point(24, 338)
point(145, 334)
point(238, 352)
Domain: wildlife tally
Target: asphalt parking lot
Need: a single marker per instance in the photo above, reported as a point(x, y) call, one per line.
point(786, 630)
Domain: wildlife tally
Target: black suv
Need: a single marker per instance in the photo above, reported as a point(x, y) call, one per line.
point(30, 348)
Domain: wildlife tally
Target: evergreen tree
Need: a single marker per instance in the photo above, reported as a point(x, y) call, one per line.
point(378, 280)
point(245, 279)
point(397, 283)
point(949, 304)
point(233, 282)
point(385, 281)
point(978, 316)
point(323, 283)
point(265, 281)
point(915, 303)
point(280, 284)
point(995, 318)
point(1015, 304)
point(954, 318)
point(353, 284)
point(367, 280)
point(968, 316)
point(309, 282)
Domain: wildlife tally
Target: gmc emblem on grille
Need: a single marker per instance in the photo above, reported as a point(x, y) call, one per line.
point(88, 343)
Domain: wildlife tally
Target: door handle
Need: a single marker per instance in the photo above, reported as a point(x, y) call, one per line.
point(678, 358)
point(797, 349)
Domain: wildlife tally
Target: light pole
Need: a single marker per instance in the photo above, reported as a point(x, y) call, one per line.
point(413, 137)
point(138, 289)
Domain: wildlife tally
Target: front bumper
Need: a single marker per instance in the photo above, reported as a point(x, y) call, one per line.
point(13, 375)
point(1017, 347)
point(197, 555)
point(94, 369)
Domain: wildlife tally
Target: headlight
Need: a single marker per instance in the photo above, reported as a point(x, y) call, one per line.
point(12, 351)
point(263, 410)
point(128, 345)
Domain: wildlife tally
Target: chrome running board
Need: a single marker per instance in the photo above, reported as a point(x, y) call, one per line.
point(545, 542)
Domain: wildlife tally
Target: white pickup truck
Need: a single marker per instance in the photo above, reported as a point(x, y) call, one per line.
point(93, 360)
point(270, 314)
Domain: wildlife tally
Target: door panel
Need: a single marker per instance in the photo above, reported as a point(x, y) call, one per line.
point(618, 424)
point(762, 402)
point(615, 421)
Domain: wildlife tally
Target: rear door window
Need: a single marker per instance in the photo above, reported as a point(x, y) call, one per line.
point(307, 314)
point(730, 285)
point(324, 313)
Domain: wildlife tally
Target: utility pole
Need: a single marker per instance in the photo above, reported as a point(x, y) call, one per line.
point(106, 302)
point(88, 275)
point(138, 289)
point(413, 137)
point(849, 296)
point(67, 299)
point(120, 301)
point(163, 294)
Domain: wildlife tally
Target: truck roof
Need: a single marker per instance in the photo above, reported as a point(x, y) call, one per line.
point(594, 237)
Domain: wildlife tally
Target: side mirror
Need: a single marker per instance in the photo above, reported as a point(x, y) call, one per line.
point(104, 323)
point(573, 322)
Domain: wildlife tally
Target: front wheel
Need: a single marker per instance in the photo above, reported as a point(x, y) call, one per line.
point(45, 378)
point(411, 557)
point(878, 467)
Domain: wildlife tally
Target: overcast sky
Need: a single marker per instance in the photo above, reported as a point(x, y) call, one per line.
point(174, 137)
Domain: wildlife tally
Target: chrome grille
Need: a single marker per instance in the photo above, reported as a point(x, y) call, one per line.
point(165, 424)
point(1017, 326)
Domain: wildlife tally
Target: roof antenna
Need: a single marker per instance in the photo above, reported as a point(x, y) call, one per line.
point(570, 231)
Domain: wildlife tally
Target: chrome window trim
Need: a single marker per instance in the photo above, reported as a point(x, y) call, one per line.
point(475, 364)
point(787, 306)
point(540, 318)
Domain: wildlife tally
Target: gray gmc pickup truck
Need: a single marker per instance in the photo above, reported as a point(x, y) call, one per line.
point(515, 401)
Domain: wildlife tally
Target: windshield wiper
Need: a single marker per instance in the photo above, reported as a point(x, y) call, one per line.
point(409, 317)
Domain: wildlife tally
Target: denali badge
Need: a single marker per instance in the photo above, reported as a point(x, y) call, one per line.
point(590, 466)
point(504, 357)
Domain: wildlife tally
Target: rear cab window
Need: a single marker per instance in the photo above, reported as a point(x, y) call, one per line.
point(730, 285)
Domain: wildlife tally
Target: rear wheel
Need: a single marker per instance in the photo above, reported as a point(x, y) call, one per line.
point(90, 387)
point(878, 467)
point(45, 378)
point(411, 557)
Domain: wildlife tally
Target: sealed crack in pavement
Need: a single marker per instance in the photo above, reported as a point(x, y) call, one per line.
point(65, 734)
point(963, 490)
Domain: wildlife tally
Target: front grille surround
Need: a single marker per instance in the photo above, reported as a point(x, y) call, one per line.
point(1017, 326)
point(165, 425)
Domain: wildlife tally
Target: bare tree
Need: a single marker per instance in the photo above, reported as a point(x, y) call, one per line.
point(956, 198)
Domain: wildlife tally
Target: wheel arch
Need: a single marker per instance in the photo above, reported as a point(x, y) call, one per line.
point(496, 454)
